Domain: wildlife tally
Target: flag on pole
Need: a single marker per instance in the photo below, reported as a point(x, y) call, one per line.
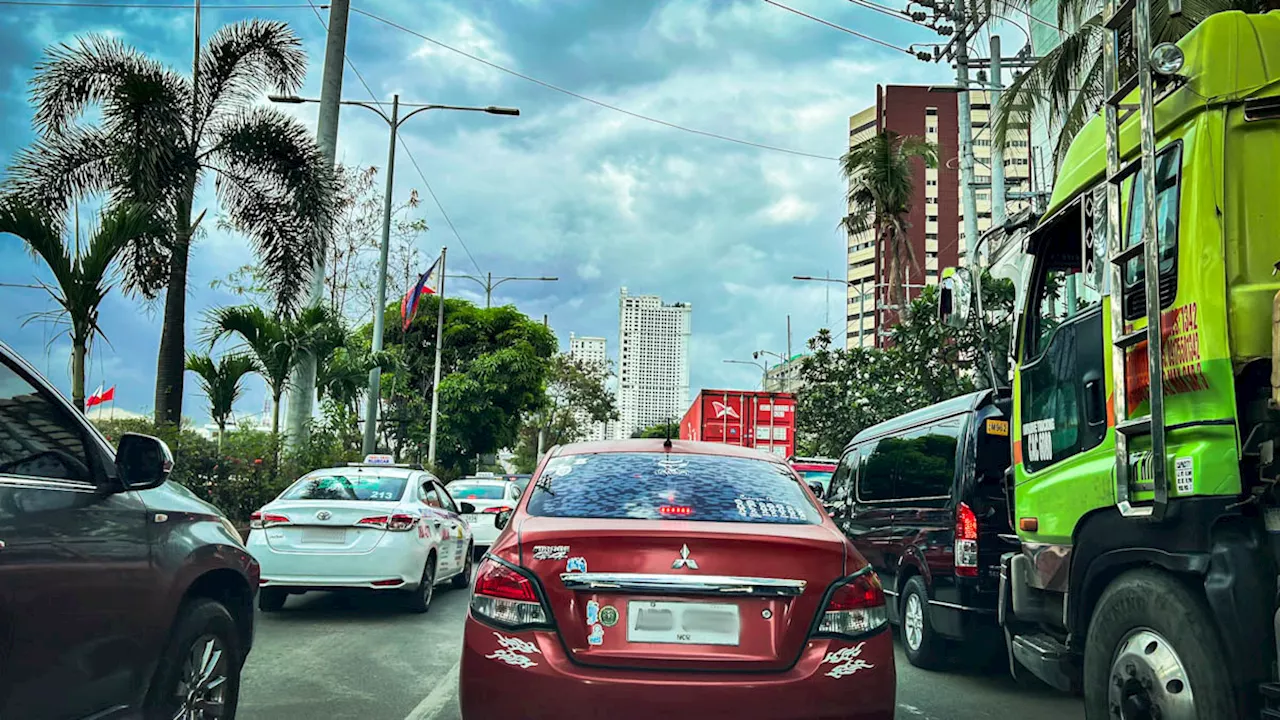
point(98, 397)
point(425, 286)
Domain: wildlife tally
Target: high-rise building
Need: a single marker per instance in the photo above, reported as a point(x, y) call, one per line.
point(591, 351)
point(653, 361)
point(935, 222)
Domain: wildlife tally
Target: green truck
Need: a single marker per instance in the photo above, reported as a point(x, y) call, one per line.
point(1147, 514)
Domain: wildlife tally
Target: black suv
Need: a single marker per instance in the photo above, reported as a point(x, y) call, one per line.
point(121, 595)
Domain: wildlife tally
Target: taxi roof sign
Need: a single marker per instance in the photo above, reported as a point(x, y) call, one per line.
point(378, 459)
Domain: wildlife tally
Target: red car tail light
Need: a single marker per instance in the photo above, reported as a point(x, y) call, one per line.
point(376, 521)
point(401, 522)
point(854, 608)
point(499, 509)
point(966, 549)
point(505, 596)
point(260, 520)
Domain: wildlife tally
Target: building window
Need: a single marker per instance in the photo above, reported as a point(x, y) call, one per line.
point(931, 236)
point(931, 111)
point(982, 143)
point(931, 183)
point(931, 218)
point(931, 130)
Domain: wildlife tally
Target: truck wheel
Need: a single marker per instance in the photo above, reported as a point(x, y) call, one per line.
point(923, 646)
point(1152, 652)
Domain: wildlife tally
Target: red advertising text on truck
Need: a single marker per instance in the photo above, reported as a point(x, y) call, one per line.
point(762, 420)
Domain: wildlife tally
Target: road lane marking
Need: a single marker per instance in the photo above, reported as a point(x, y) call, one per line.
point(433, 703)
point(914, 711)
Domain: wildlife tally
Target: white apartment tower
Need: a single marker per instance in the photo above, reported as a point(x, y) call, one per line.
point(653, 361)
point(590, 350)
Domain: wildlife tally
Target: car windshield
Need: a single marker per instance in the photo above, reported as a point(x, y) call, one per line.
point(343, 487)
point(653, 486)
point(469, 491)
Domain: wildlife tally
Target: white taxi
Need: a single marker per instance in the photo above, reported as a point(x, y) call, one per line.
point(370, 525)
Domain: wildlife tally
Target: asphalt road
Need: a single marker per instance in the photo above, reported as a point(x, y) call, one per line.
point(333, 656)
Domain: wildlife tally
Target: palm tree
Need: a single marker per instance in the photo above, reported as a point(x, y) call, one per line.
point(1067, 82)
point(276, 343)
point(881, 173)
point(160, 135)
point(222, 382)
point(344, 374)
point(82, 275)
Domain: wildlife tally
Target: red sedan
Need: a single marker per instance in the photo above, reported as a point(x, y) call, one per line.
point(643, 579)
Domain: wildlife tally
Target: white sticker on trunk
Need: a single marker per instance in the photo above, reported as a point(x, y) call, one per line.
point(1184, 475)
point(846, 661)
point(514, 651)
point(550, 552)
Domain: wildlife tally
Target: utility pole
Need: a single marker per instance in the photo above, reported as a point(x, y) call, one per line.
point(380, 309)
point(302, 396)
point(435, 382)
point(997, 149)
point(966, 136)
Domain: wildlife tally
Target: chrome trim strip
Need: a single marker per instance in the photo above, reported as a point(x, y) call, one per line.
point(954, 606)
point(720, 585)
point(38, 483)
point(890, 592)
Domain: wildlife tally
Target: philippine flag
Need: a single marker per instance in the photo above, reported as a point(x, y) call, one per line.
point(425, 286)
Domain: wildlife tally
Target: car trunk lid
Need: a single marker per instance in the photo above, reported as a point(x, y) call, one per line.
point(326, 526)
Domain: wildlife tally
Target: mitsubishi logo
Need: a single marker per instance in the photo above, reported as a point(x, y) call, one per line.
point(723, 410)
point(684, 561)
point(323, 515)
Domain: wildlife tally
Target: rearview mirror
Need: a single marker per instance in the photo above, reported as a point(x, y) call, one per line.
point(466, 508)
point(503, 519)
point(816, 487)
point(953, 299)
point(142, 461)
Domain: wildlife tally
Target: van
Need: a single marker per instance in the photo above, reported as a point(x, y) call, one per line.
point(921, 496)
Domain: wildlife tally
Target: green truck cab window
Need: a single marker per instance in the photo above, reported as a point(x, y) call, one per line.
point(1168, 164)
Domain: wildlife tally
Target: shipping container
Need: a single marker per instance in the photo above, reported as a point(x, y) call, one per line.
point(762, 420)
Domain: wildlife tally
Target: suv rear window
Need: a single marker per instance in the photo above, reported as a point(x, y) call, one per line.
point(466, 491)
point(340, 487)
point(655, 486)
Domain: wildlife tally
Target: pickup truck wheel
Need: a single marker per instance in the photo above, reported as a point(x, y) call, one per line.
point(198, 677)
point(923, 646)
point(419, 600)
point(1151, 653)
point(271, 599)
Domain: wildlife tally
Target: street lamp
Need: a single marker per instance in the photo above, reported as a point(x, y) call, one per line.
point(764, 369)
point(394, 121)
point(488, 283)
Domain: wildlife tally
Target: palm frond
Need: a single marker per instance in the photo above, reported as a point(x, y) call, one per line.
point(246, 59)
point(56, 168)
point(222, 381)
point(42, 233)
point(277, 188)
point(1081, 110)
point(262, 335)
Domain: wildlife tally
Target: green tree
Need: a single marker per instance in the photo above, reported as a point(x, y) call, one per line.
point(158, 135)
point(276, 343)
point(1067, 82)
point(576, 395)
point(881, 172)
point(222, 381)
point(82, 275)
point(661, 430)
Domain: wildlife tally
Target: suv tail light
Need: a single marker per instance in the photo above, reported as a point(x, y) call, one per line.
point(966, 550)
point(260, 520)
point(500, 509)
point(505, 596)
point(855, 608)
point(401, 522)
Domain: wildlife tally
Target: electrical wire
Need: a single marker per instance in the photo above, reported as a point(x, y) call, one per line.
point(899, 14)
point(408, 153)
point(593, 101)
point(841, 28)
point(153, 6)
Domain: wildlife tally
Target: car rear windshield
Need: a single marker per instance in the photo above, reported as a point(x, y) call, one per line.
point(653, 486)
point(463, 491)
point(343, 487)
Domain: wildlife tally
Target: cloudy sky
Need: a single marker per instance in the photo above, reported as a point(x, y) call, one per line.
point(595, 196)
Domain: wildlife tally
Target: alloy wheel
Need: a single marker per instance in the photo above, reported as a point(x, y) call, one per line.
point(202, 685)
point(913, 622)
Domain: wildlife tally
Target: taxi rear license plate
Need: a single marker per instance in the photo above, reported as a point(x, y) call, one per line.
point(471, 519)
point(324, 536)
point(683, 623)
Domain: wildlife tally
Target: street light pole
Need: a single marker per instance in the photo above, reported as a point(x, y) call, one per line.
point(487, 282)
point(394, 122)
point(764, 369)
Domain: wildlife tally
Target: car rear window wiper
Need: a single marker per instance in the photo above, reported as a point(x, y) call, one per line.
point(544, 484)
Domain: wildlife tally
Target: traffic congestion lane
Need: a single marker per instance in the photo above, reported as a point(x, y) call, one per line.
point(354, 656)
point(362, 657)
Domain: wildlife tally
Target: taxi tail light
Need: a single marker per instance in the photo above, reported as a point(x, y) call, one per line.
point(507, 597)
point(855, 608)
point(966, 549)
point(260, 520)
point(400, 522)
point(374, 521)
point(499, 509)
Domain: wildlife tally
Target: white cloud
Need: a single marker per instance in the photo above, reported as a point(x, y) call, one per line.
point(470, 35)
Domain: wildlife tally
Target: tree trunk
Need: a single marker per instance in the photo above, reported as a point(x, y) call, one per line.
point(78, 352)
point(171, 362)
point(275, 411)
point(222, 430)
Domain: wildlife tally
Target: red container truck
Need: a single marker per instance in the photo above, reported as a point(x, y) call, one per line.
point(762, 420)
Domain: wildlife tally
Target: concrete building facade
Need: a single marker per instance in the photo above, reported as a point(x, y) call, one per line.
point(592, 351)
point(653, 361)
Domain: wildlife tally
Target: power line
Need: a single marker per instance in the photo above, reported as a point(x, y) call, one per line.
point(593, 101)
point(405, 146)
point(152, 6)
point(840, 27)
point(899, 14)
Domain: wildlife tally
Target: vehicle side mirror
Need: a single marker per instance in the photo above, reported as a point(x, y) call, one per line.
point(142, 461)
point(466, 508)
point(953, 299)
point(503, 519)
point(816, 487)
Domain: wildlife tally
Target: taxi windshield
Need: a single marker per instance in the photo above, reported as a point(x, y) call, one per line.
point(470, 491)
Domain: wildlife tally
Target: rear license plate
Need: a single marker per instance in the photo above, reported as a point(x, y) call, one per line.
point(324, 536)
point(682, 623)
point(471, 519)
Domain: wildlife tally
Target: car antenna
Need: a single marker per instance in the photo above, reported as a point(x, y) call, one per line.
point(666, 444)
